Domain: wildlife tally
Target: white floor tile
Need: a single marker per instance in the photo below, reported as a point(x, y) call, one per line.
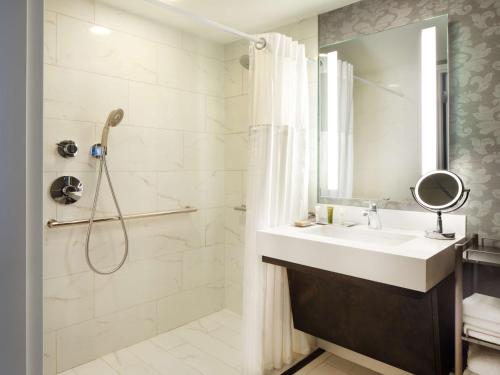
point(97, 367)
point(329, 364)
point(168, 340)
point(126, 363)
point(315, 363)
point(325, 369)
point(201, 361)
point(228, 337)
point(69, 372)
point(208, 346)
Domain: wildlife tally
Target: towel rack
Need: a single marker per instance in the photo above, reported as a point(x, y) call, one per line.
point(53, 223)
point(469, 252)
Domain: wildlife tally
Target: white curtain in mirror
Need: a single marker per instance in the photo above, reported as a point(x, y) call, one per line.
point(336, 127)
point(277, 195)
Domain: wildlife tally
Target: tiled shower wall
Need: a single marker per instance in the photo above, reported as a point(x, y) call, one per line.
point(167, 153)
point(236, 147)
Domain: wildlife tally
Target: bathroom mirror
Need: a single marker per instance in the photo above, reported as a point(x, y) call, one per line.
point(383, 112)
point(440, 191)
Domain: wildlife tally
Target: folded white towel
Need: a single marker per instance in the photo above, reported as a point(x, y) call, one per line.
point(483, 361)
point(482, 334)
point(485, 325)
point(482, 307)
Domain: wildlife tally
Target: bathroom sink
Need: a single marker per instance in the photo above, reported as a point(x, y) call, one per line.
point(360, 234)
point(398, 257)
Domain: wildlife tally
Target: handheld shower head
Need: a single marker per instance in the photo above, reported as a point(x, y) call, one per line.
point(114, 118)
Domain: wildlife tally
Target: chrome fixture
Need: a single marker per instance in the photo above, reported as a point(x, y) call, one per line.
point(372, 214)
point(114, 118)
point(242, 208)
point(52, 223)
point(99, 151)
point(66, 189)
point(67, 149)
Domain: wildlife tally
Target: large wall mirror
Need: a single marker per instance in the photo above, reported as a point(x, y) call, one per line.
point(383, 112)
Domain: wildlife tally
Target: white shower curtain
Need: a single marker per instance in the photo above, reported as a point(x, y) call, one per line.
point(343, 147)
point(276, 195)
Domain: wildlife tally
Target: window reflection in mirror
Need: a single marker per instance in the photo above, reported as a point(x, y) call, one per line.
point(383, 111)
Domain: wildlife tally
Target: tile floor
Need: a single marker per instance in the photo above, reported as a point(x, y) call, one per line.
point(330, 364)
point(208, 346)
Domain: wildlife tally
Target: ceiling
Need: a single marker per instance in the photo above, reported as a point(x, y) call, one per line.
point(251, 16)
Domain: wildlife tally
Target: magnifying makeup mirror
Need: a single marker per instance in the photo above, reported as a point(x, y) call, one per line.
point(440, 191)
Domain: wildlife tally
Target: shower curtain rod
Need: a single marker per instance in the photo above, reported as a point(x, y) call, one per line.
point(382, 87)
point(260, 43)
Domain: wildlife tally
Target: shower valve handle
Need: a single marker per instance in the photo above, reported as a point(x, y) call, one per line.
point(66, 190)
point(72, 192)
point(67, 149)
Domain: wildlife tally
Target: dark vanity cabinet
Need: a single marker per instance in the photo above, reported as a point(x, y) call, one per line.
point(407, 329)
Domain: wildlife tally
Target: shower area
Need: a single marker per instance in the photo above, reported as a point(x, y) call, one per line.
point(145, 167)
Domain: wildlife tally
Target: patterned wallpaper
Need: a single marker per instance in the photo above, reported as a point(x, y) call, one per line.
point(474, 50)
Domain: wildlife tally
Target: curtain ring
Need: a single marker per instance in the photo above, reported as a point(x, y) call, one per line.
point(261, 44)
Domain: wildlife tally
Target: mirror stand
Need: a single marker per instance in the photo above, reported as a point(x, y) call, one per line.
point(437, 233)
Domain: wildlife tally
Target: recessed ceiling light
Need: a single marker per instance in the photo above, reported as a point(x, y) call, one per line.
point(100, 30)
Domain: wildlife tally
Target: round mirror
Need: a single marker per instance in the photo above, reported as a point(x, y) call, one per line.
point(439, 190)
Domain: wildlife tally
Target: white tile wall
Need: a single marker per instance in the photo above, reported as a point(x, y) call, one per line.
point(50, 38)
point(236, 146)
point(88, 340)
point(117, 54)
point(68, 300)
point(167, 153)
point(81, 9)
point(186, 306)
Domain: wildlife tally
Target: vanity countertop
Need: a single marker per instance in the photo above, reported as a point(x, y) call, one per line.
point(402, 258)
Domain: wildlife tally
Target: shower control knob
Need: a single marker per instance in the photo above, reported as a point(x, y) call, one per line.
point(66, 190)
point(67, 149)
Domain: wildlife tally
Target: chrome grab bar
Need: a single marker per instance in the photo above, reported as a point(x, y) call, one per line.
point(53, 223)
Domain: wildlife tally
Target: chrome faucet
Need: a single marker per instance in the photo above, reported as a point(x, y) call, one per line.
point(372, 214)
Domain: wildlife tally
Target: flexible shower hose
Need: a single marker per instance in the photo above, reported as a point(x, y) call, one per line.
point(103, 164)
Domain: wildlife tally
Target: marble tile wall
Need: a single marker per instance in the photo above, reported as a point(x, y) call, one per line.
point(235, 127)
point(167, 153)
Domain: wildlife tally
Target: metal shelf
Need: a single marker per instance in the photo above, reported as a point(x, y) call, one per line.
point(486, 344)
point(488, 256)
point(469, 252)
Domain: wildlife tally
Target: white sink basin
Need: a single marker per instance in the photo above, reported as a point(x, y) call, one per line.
point(360, 234)
point(403, 258)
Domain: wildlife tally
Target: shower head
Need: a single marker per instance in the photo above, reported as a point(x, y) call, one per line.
point(245, 61)
point(114, 118)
